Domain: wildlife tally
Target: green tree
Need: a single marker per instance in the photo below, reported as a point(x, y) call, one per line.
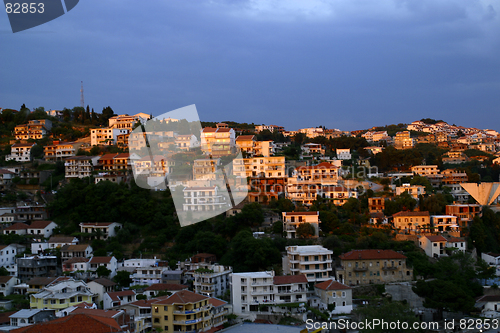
point(102, 271)
point(305, 230)
point(390, 312)
point(122, 278)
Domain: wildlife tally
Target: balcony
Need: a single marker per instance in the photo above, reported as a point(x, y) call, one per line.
point(204, 308)
point(389, 268)
point(360, 269)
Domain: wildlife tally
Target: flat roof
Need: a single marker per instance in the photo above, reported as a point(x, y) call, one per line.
point(252, 328)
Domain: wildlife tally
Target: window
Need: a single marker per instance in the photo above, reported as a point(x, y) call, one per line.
point(80, 298)
point(165, 317)
point(165, 308)
point(156, 309)
point(343, 294)
point(72, 300)
point(53, 301)
point(62, 301)
point(157, 320)
point(306, 258)
point(307, 267)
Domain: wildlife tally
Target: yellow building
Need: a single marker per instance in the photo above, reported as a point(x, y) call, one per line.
point(182, 311)
point(62, 294)
point(412, 222)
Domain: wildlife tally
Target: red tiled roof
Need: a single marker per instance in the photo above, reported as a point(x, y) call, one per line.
point(17, 226)
point(323, 165)
point(209, 129)
point(455, 240)
point(74, 248)
point(74, 323)
point(122, 155)
point(104, 282)
point(107, 157)
point(96, 312)
point(436, 238)
point(300, 213)
point(288, 279)
point(5, 279)
point(115, 294)
point(245, 137)
point(100, 260)
point(166, 286)
point(76, 259)
point(371, 254)
point(39, 224)
point(183, 297)
point(216, 302)
point(331, 285)
point(96, 224)
point(411, 214)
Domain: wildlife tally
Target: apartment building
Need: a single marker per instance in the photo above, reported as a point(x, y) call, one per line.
point(425, 170)
point(265, 292)
point(343, 154)
point(146, 275)
point(205, 168)
point(59, 151)
point(412, 222)
point(102, 230)
point(362, 267)
point(415, 191)
point(312, 148)
point(267, 167)
point(76, 251)
point(212, 280)
point(80, 166)
point(403, 140)
point(159, 166)
point(442, 223)
point(7, 255)
point(127, 122)
point(339, 195)
point(270, 128)
point(20, 152)
point(376, 204)
point(34, 129)
point(202, 199)
point(313, 261)
point(106, 136)
point(464, 212)
point(186, 142)
point(292, 220)
point(183, 311)
point(36, 266)
point(218, 141)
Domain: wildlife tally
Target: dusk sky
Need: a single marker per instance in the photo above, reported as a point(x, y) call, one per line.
point(347, 64)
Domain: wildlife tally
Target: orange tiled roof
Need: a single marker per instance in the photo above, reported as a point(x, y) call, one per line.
point(166, 286)
point(287, 279)
point(371, 254)
point(39, 224)
point(216, 302)
point(183, 297)
point(75, 323)
point(331, 285)
point(100, 260)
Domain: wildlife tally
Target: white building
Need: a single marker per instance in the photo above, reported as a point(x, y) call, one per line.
point(492, 259)
point(262, 291)
point(292, 220)
point(204, 199)
point(344, 154)
point(20, 152)
point(434, 246)
point(7, 255)
point(314, 261)
point(108, 262)
point(106, 136)
point(42, 228)
point(212, 280)
point(106, 229)
point(7, 284)
point(335, 293)
point(118, 298)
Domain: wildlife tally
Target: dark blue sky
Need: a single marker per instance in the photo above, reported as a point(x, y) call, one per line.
point(347, 64)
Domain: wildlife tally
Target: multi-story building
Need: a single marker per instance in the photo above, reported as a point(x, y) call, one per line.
point(338, 195)
point(7, 284)
point(115, 299)
point(7, 255)
point(106, 136)
point(425, 170)
point(313, 261)
point(76, 251)
point(217, 141)
point(442, 223)
point(343, 154)
point(59, 151)
point(183, 311)
point(146, 275)
point(412, 222)
point(101, 230)
point(127, 122)
point(153, 290)
point(34, 129)
point(36, 266)
point(6, 177)
point(376, 204)
point(42, 229)
point(109, 262)
point(464, 212)
point(62, 294)
point(262, 291)
point(403, 140)
point(20, 152)
point(31, 211)
point(80, 166)
point(205, 168)
point(101, 286)
point(312, 148)
point(186, 142)
point(201, 199)
point(452, 176)
point(270, 128)
point(361, 267)
point(246, 143)
point(268, 167)
point(211, 280)
point(434, 246)
point(414, 190)
point(292, 220)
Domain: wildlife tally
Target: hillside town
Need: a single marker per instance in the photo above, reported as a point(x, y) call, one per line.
point(332, 223)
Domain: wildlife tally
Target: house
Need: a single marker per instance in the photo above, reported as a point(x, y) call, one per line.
point(146, 275)
point(362, 267)
point(106, 136)
point(456, 243)
point(411, 222)
point(58, 151)
point(36, 266)
point(414, 190)
point(34, 129)
point(464, 212)
point(376, 204)
point(335, 293)
point(178, 311)
point(403, 140)
point(75, 264)
point(7, 255)
point(434, 246)
point(492, 259)
point(102, 230)
point(59, 241)
point(37, 284)
point(153, 290)
point(266, 167)
point(26, 317)
point(292, 220)
point(43, 229)
point(18, 228)
point(108, 262)
point(489, 305)
point(313, 261)
point(20, 152)
point(343, 154)
point(186, 142)
point(219, 313)
point(101, 286)
point(7, 284)
point(205, 168)
point(339, 195)
point(140, 311)
point(425, 170)
point(117, 298)
point(6, 177)
point(442, 223)
point(262, 291)
point(76, 251)
point(312, 148)
point(62, 294)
